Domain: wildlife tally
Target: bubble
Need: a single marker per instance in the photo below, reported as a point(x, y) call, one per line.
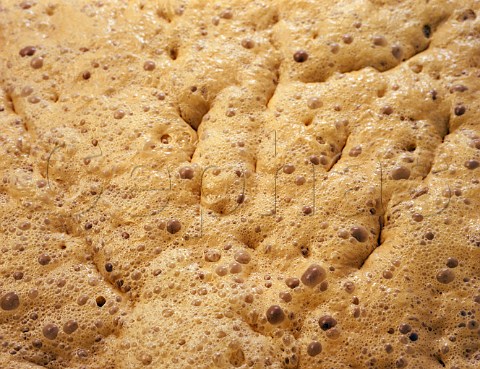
point(221, 270)
point(307, 210)
point(300, 180)
point(401, 363)
point(248, 43)
point(288, 168)
point(82, 300)
point(429, 236)
point(44, 259)
point(404, 328)
point(314, 103)
point(472, 164)
point(387, 274)
point(458, 88)
point(173, 226)
point(212, 255)
point(300, 56)
point(9, 301)
point(186, 173)
point(50, 331)
point(27, 51)
point(327, 322)
point(397, 52)
point(275, 315)
point(355, 151)
point(100, 300)
point(459, 110)
point(314, 159)
point(349, 286)
point(387, 110)
point(452, 263)
point(37, 62)
point(400, 173)
point(292, 282)
point(285, 296)
point(235, 268)
point(313, 275)
point(243, 257)
point(314, 348)
point(445, 276)
point(347, 39)
point(70, 326)
point(417, 217)
point(119, 114)
point(146, 359)
point(472, 324)
point(226, 14)
point(359, 233)
point(149, 65)
point(379, 40)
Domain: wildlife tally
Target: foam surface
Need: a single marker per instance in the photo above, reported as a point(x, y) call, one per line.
point(242, 184)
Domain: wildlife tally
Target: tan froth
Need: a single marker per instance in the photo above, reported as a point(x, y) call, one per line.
point(242, 184)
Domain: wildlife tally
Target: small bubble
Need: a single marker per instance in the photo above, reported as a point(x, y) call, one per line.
point(300, 56)
point(452, 263)
point(70, 326)
point(288, 168)
point(186, 173)
point(173, 226)
point(459, 110)
point(149, 65)
point(119, 114)
point(400, 173)
point(27, 51)
point(50, 331)
point(359, 233)
point(9, 301)
point(355, 151)
point(379, 40)
point(387, 274)
point(212, 255)
point(327, 322)
point(314, 103)
point(472, 164)
point(445, 276)
point(417, 217)
point(292, 282)
point(248, 43)
point(314, 348)
point(37, 62)
point(313, 275)
point(275, 315)
point(100, 300)
point(348, 39)
point(44, 259)
point(314, 159)
point(243, 257)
